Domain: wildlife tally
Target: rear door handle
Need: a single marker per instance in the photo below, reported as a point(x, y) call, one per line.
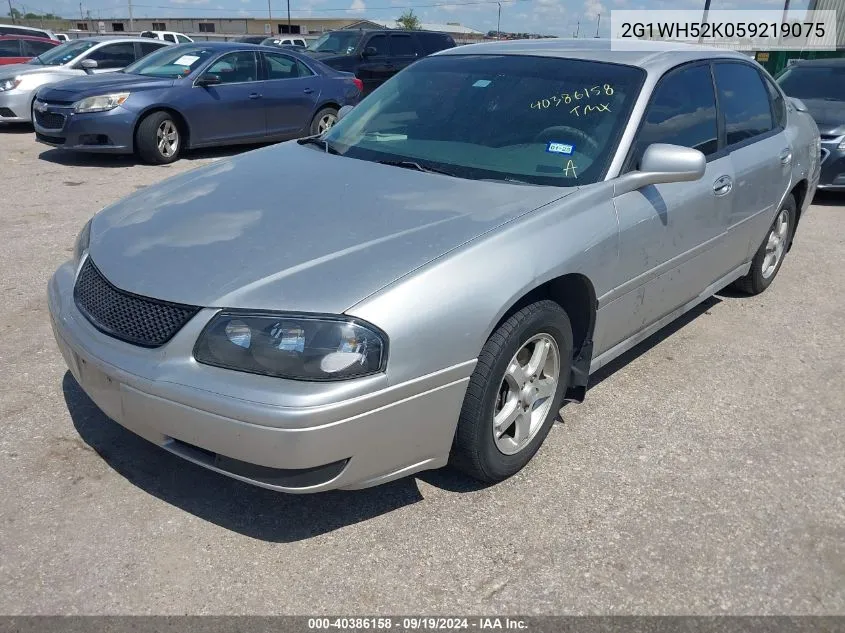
point(308, 91)
point(254, 95)
point(786, 156)
point(723, 185)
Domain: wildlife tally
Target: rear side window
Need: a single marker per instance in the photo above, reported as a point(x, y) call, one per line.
point(402, 46)
point(379, 42)
point(146, 49)
point(182, 39)
point(169, 38)
point(433, 42)
point(744, 102)
point(10, 48)
point(114, 56)
point(682, 111)
point(32, 48)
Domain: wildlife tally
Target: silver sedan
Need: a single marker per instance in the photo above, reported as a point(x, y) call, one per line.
point(445, 266)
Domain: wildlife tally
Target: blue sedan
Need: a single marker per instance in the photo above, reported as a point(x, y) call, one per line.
point(194, 95)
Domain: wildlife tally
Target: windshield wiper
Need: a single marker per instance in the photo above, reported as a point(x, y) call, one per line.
point(410, 164)
point(316, 140)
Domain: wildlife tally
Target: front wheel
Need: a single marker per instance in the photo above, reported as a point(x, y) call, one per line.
point(514, 393)
point(769, 257)
point(158, 139)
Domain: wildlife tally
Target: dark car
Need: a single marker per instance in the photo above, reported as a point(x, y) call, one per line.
point(19, 49)
point(820, 85)
point(375, 56)
point(194, 95)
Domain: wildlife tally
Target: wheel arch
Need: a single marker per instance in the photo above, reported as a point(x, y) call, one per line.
point(575, 293)
point(799, 192)
point(178, 117)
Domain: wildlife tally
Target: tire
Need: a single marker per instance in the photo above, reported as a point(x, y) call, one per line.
point(491, 392)
point(147, 139)
point(776, 243)
point(324, 116)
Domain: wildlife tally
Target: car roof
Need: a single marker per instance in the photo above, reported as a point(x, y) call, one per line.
point(651, 55)
point(831, 61)
point(114, 38)
point(12, 36)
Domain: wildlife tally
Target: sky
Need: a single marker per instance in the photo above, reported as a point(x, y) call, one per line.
point(553, 17)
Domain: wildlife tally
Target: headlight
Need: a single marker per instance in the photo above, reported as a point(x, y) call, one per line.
point(841, 146)
point(299, 347)
point(100, 103)
point(10, 84)
point(82, 241)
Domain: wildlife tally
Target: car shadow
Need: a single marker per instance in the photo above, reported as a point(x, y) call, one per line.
point(829, 199)
point(249, 510)
point(82, 159)
point(265, 514)
point(17, 128)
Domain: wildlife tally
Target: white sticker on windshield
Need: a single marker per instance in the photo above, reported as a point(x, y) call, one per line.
point(482, 83)
point(186, 60)
point(556, 147)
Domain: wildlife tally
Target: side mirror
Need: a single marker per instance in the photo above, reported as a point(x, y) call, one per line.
point(209, 80)
point(799, 105)
point(662, 163)
point(88, 65)
point(370, 51)
point(344, 111)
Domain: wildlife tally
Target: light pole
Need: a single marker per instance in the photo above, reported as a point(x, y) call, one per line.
point(499, 23)
point(289, 16)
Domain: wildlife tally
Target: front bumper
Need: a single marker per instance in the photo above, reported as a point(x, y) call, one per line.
point(832, 174)
point(59, 126)
point(14, 106)
point(232, 423)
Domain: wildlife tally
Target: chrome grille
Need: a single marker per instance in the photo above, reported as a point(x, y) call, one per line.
point(129, 317)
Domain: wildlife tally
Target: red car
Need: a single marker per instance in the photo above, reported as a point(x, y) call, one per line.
point(18, 49)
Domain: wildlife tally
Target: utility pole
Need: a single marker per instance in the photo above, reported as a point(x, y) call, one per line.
point(783, 19)
point(598, 24)
point(577, 28)
point(269, 12)
point(131, 19)
point(12, 12)
point(704, 18)
point(499, 23)
point(289, 16)
point(81, 15)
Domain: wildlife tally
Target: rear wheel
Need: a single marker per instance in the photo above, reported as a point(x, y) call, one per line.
point(769, 257)
point(323, 120)
point(158, 139)
point(515, 393)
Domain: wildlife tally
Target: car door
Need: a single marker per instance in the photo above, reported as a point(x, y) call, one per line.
point(760, 153)
point(671, 234)
point(291, 93)
point(232, 110)
point(377, 67)
point(403, 50)
point(111, 57)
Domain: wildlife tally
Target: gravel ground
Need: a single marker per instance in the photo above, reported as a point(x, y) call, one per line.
point(704, 473)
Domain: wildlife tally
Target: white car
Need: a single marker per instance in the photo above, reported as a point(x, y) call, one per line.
point(62, 37)
point(168, 36)
point(17, 29)
point(284, 41)
point(92, 55)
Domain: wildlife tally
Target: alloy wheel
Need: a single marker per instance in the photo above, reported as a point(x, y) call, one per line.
point(776, 244)
point(167, 138)
point(325, 122)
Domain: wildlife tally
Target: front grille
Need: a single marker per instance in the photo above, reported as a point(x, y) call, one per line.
point(50, 120)
point(126, 316)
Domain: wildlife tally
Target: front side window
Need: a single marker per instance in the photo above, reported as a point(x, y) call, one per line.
point(170, 61)
point(114, 55)
point(743, 101)
point(536, 120)
point(682, 111)
point(812, 81)
point(63, 53)
point(235, 68)
point(336, 42)
point(183, 40)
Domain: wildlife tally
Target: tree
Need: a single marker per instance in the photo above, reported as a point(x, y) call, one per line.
point(15, 14)
point(408, 20)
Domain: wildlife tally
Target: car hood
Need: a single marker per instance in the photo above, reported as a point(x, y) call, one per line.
point(91, 85)
point(828, 115)
point(14, 70)
point(290, 227)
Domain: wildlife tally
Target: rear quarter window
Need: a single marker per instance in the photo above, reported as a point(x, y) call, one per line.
point(433, 42)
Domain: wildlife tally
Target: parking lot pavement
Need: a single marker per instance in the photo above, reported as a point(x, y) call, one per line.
point(704, 473)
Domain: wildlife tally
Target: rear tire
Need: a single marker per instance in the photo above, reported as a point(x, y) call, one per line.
point(484, 447)
point(323, 120)
point(769, 257)
point(158, 139)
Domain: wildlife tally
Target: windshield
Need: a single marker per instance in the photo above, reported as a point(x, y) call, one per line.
point(172, 62)
point(814, 82)
point(535, 120)
point(340, 42)
point(63, 53)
